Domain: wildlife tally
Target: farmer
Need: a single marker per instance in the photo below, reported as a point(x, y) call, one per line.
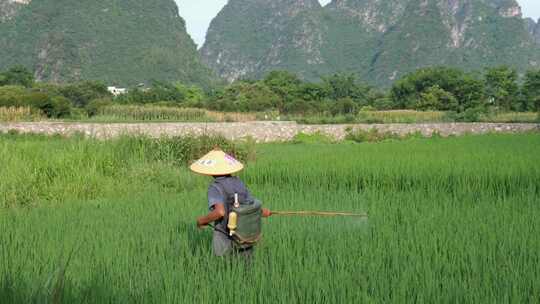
point(227, 194)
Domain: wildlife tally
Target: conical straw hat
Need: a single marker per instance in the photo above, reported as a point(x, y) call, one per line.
point(217, 162)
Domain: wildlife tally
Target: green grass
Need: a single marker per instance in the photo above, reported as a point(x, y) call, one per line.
point(511, 117)
point(16, 114)
point(149, 113)
point(450, 221)
point(410, 117)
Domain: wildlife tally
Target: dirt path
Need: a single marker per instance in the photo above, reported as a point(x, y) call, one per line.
point(259, 131)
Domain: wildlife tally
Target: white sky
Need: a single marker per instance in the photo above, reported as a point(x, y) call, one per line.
point(199, 13)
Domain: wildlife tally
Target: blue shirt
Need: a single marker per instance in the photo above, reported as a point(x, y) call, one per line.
point(217, 196)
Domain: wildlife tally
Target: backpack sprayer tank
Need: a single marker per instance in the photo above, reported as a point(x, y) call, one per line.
point(244, 222)
point(233, 217)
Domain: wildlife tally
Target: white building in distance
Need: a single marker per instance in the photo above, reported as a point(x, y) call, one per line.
point(116, 91)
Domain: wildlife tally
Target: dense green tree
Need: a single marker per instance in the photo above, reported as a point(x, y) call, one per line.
point(48, 88)
point(383, 103)
point(345, 85)
point(51, 106)
point(17, 75)
point(40, 101)
point(12, 96)
point(163, 91)
point(244, 96)
point(344, 106)
point(378, 99)
point(469, 92)
point(193, 96)
point(435, 98)
point(531, 90)
point(502, 88)
point(303, 107)
point(284, 84)
point(82, 93)
point(313, 91)
point(61, 107)
point(173, 93)
point(54, 106)
point(467, 89)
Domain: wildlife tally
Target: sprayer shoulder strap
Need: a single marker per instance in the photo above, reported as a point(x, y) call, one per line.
point(231, 186)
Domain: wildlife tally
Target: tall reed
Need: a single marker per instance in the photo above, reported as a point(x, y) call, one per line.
point(13, 114)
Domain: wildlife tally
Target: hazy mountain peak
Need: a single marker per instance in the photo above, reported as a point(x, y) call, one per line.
point(121, 42)
point(9, 8)
point(376, 14)
point(534, 29)
point(378, 39)
point(248, 34)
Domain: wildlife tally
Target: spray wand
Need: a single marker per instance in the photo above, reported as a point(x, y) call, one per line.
point(318, 213)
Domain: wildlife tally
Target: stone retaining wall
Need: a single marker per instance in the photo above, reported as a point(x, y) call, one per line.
point(259, 131)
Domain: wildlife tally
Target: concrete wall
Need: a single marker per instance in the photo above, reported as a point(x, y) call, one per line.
point(260, 131)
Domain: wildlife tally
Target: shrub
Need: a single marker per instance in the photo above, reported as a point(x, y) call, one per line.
point(52, 107)
point(182, 150)
point(61, 107)
point(94, 107)
point(12, 96)
point(470, 115)
point(317, 137)
point(371, 135)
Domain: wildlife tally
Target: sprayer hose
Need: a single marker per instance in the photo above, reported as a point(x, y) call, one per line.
point(318, 213)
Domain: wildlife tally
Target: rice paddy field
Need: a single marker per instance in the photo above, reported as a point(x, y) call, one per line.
point(453, 220)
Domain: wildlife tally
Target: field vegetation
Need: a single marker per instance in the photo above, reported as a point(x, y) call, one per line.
point(450, 221)
point(161, 113)
point(13, 114)
point(436, 94)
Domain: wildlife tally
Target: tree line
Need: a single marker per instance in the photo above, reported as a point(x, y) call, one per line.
point(467, 94)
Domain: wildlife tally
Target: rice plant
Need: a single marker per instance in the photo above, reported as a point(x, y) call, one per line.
point(401, 116)
point(129, 113)
point(149, 113)
point(14, 114)
point(450, 221)
point(510, 117)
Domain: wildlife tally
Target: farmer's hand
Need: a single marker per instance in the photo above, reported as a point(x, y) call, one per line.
point(201, 223)
point(266, 212)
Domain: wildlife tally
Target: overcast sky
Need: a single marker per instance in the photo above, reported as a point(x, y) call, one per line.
point(198, 14)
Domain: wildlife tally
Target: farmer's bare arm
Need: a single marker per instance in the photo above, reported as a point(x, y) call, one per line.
point(214, 215)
